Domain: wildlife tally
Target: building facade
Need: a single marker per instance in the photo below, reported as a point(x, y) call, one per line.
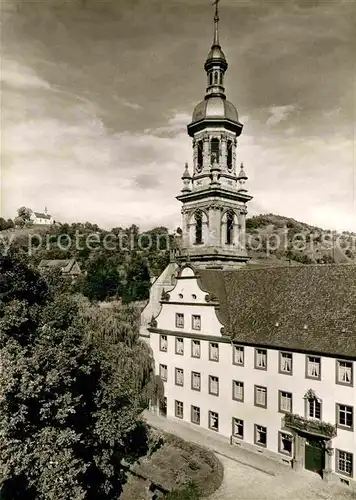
point(41, 219)
point(265, 357)
point(69, 268)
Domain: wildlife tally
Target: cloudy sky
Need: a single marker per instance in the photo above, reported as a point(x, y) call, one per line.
point(96, 96)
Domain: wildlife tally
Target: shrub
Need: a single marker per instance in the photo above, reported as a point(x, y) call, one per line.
point(189, 492)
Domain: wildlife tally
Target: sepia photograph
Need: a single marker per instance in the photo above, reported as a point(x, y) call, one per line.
point(177, 249)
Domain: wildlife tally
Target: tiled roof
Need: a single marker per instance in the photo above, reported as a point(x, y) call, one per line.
point(310, 308)
point(65, 265)
point(39, 215)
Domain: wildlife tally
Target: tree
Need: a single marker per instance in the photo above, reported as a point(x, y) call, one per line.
point(68, 415)
point(102, 279)
point(10, 224)
point(19, 221)
point(138, 282)
point(3, 224)
point(24, 213)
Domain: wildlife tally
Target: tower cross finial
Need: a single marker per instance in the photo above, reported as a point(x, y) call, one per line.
point(216, 22)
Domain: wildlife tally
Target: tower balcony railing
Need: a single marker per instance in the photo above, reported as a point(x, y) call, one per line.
point(310, 426)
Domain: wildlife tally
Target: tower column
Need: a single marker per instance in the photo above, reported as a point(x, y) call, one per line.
point(242, 229)
point(185, 229)
point(195, 155)
point(223, 150)
point(214, 225)
point(234, 157)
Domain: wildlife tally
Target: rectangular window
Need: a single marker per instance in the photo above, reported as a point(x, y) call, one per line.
point(344, 462)
point(163, 372)
point(196, 381)
point(260, 359)
point(178, 409)
point(260, 435)
point(238, 428)
point(214, 385)
point(344, 373)
point(238, 355)
point(261, 396)
point(237, 390)
point(285, 443)
point(196, 322)
point(163, 343)
point(285, 402)
point(313, 368)
point(195, 348)
point(286, 363)
point(179, 320)
point(213, 421)
point(179, 345)
point(345, 416)
point(314, 408)
point(213, 351)
point(179, 379)
point(195, 415)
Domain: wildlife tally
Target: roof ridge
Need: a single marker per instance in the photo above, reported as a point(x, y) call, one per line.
point(301, 266)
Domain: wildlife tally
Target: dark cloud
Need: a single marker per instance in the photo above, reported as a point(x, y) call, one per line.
point(106, 87)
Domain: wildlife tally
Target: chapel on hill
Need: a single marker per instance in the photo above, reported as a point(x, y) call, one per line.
point(264, 357)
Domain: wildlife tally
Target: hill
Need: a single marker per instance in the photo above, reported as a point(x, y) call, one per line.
point(276, 240)
point(121, 262)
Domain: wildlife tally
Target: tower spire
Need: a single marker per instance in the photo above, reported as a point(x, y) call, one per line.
point(216, 23)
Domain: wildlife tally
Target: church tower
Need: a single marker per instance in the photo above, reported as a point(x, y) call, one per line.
point(214, 196)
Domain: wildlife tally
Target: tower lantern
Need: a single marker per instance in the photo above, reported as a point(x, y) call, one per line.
point(214, 197)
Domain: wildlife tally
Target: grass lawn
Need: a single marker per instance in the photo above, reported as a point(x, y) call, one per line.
point(174, 464)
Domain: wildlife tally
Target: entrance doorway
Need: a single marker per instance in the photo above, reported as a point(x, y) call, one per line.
point(315, 455)
point(163, 407)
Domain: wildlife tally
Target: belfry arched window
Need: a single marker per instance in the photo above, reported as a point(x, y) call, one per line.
point(210, 78)
point(200, 154)
point(214, 150)
point(216, 77)
point(229, 228)
point(198, 227)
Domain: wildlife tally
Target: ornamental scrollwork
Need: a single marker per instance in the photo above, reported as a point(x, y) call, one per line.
point(215, 206)
point(153, 323)
point(310, 395)
point(165, 295)
point(210, 298)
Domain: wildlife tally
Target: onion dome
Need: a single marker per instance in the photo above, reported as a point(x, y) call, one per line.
point(215, 107)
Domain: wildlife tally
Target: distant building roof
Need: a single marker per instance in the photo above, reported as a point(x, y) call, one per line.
point(40, 215)
point(308, 308)
point(67, 266)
